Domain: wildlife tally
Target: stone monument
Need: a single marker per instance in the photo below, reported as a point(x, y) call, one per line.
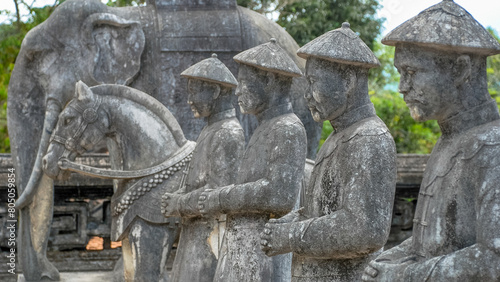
point(441, 55)
point(270, 175)
point(346, 209)
point(214, 164)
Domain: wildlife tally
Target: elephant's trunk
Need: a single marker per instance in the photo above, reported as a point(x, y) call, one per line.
point(51, 115)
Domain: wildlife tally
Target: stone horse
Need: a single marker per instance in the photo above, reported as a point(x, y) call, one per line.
point(149, 156)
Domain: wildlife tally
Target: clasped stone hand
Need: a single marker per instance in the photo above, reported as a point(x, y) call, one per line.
point(170, 204)
point(209, 203)
point(385, 270)
point(274, 238)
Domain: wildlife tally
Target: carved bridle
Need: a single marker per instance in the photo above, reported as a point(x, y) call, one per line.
point(89, 116)
point(150, 177)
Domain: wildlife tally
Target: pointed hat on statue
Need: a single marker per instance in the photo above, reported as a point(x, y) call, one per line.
point(341, 45)
point(445, 26)
point(269, 57)
point(211, 70)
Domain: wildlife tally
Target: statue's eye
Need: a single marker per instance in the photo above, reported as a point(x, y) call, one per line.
point(410, 71)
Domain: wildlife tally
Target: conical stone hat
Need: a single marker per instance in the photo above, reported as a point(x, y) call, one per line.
point(269, 57)
point(445, 26)
point(341, 45)
point(212, 70)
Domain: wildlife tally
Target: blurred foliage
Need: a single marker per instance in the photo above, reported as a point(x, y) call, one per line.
point(305, 20)
point(123, 3)
point(260, 6)
point(308, 19)
point(410, 136)
point(493, 70)
point(11, 36)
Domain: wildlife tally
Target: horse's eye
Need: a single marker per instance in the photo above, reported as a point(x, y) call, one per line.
point(67, 121)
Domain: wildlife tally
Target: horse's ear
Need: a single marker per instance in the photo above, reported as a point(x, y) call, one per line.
point(83, 92)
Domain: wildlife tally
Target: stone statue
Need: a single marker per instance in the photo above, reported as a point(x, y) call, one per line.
point(346, 209)
point(215, 162)
point(144, 47)
point(270, 175)
point(441, 55)
point(147, 162)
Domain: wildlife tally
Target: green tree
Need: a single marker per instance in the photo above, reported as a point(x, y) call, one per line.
point(308, 19)
point(123, 3)
point(260, 6)
point(11, 36)
point(305, 20)
point(493, 70)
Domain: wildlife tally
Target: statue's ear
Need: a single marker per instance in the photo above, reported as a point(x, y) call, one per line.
point(216, 91)
point(349, 79)
point(463, 70)
point(83, 92)
point(115, 47)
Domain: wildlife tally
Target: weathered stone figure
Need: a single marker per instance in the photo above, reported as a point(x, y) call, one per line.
point(146, 162)
point(215, 162)
point(441, 55)
point(346, 214)
point(270, 174)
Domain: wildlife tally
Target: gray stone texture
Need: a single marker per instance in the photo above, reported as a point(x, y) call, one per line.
point(269, 177)
point(215, 162)
point(455, 229)
point(346, 209)
point(142, 47)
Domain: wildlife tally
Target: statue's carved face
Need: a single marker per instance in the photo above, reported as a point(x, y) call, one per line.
point(251, 90)
point(201, 97)
point(427, 81)
point(327, 93)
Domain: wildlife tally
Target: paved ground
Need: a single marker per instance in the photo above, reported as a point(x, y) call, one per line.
point(81, 277)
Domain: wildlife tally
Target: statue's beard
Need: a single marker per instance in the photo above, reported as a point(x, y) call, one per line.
point(417, 113)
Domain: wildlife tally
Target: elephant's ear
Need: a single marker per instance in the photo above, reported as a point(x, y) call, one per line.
point(115, 46)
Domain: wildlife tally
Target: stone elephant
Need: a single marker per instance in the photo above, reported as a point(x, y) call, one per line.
point(144, 47)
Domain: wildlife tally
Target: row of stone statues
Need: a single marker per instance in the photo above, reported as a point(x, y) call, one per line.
point(336, 226)
point(247, 212)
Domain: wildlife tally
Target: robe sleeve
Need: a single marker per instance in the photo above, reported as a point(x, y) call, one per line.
point(225, 153)
point(277, 189)
point(361, 224)
point(480, 261)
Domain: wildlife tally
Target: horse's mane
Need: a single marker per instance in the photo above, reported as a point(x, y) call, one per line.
point(145, 100)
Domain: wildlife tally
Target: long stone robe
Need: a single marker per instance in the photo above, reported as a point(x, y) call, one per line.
point(348, 203)
point(456, 231)
point(217, 155)
point(268, 183)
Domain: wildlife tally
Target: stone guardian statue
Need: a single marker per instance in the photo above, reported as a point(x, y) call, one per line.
point(215, 161)
point(270, 174)
point(346, 209)
point(441, 55)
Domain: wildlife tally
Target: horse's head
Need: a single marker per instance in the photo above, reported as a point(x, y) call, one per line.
point(81, 125)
